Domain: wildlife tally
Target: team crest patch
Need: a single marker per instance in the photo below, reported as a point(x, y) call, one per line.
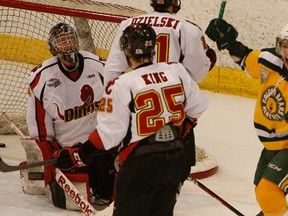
point(273, 104)
point(53, 82)
point(264, 75)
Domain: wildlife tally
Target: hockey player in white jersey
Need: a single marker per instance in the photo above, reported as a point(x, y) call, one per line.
point(145, 111)
point(177, 40)
point(64, 96)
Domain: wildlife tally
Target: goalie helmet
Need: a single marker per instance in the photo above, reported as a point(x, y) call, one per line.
point(138, 40)
point(63, 41)
point(161, 5)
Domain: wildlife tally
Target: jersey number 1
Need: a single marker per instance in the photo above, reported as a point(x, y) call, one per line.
point(162, 42)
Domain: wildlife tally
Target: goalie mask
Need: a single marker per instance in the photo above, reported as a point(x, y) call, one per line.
point(63, 41)
point(161, 5)
point(138, 40)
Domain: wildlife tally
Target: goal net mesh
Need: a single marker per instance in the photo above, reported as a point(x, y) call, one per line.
point(23, 34)
point(24, 27)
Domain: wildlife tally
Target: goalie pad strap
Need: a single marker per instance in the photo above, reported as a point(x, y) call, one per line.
point(35, 176)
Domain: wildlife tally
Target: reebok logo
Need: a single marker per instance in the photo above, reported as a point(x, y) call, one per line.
point(76, 197)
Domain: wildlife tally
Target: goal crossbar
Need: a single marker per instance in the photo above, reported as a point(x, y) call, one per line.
point(64, 10)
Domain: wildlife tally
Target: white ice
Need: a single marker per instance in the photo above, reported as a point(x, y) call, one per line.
point(225, 130)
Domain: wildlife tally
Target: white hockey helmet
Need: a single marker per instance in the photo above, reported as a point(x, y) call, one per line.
point(282, 39)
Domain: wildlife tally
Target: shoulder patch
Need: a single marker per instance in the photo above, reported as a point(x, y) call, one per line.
point(53, 82)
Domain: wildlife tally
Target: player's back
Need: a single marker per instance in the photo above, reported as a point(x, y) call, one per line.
point(176, 41)
point(158, 91)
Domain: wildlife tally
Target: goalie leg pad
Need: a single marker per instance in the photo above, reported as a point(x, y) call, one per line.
point(29, 186)
point(37, 151)
point(33, 154)
point(59, 197)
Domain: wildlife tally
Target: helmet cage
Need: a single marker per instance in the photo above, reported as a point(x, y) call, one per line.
point(64, 41)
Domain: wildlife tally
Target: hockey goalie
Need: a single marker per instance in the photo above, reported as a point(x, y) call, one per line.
point(64, 97)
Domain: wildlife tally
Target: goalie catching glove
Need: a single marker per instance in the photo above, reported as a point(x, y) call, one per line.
point(71, 157)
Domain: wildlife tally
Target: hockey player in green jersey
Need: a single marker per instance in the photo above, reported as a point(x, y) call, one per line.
point(270, 66)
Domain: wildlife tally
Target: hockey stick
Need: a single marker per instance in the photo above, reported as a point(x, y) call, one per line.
point(222, 9)
point(12, 125)
point(207, 190)
point(4, 167)
point(83, 204)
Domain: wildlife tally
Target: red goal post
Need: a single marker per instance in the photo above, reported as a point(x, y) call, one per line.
point(23, 34)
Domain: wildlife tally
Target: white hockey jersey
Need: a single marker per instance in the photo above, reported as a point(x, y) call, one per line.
point(61, 108)
point(144, 100)
point(177, 41)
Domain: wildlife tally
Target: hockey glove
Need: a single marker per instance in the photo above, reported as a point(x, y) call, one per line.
point(210, 53)
point(71, 157)
point(221, 32)
point(186, 126)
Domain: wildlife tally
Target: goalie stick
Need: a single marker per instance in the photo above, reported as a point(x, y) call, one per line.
point(207, 190)
point(4, 167)
point(83, 204)
point(12, 125)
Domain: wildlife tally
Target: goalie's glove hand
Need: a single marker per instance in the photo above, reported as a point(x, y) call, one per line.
point(221, 32)
point(71, 157)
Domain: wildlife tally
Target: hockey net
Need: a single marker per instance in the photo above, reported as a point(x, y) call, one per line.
point(23, 34)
